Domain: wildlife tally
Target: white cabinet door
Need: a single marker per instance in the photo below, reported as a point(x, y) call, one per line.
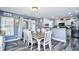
point(59, 34)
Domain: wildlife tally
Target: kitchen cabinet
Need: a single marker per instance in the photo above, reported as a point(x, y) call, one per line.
point(59, 34)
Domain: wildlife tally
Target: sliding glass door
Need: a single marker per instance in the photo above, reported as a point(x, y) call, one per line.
point(7, 25)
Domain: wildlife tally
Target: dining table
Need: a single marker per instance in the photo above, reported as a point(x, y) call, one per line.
point(38, 36)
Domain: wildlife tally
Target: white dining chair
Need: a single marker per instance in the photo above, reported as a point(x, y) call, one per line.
point(25, 35)
point(28, 38)
point(47, 40)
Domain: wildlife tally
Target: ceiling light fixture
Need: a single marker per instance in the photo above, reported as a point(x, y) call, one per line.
point(34, 9)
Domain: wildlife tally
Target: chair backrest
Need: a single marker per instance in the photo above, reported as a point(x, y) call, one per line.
point(25, 34)
point(47, 37)
point(29, 35)
point(43, 30)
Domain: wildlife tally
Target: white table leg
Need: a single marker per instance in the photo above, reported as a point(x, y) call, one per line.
point(38, 44)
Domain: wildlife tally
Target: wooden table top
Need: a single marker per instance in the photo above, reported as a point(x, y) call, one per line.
point(38, 35)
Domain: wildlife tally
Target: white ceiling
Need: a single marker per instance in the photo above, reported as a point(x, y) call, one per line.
point(44, 11)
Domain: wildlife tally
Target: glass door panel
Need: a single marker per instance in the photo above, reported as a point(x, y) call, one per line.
point(7, 25)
